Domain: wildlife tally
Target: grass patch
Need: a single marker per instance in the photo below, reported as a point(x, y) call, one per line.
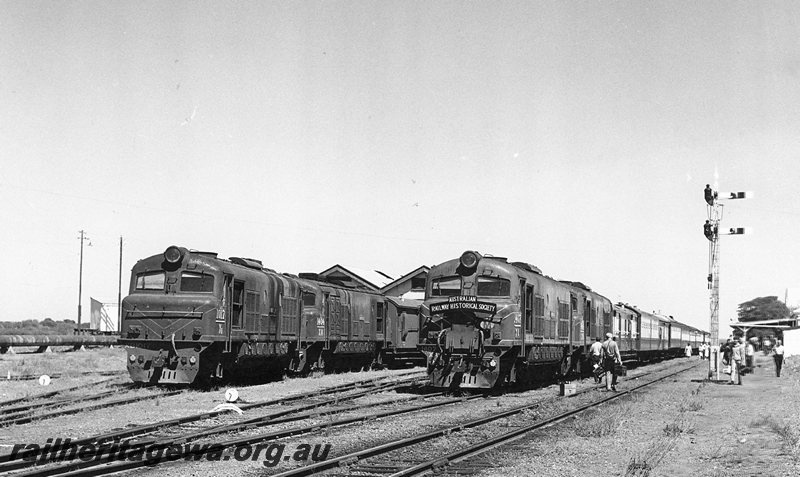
point(691, 405)
point(601, 423)
point(673, 429)
point(790, 437)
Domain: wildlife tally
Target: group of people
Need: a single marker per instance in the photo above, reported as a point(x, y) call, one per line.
point(736, 353)
point(605, 358)
point(704, 350)
point(739, 355)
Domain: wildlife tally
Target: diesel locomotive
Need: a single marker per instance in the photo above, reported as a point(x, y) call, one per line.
point(488, 322)
point(192, 317)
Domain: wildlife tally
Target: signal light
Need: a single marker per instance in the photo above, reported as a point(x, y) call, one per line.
point(709, 195)
point(173, 254)
point(709, 230)
point(469, 259)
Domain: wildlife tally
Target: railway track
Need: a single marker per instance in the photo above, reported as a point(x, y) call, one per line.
point(183, 430)
point(357, 463)
point(4, 405)
point(28, 413)
point(30, 377)
point(180, 432)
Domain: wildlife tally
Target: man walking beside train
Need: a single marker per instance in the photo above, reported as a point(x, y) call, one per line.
point(596, 355)
point(611, 358)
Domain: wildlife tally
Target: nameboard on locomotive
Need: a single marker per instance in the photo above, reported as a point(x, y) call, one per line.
point(464, 302)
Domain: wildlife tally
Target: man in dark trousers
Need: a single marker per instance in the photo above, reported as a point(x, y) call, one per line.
point(777, 355)
point(596, 355)
point(611, 357)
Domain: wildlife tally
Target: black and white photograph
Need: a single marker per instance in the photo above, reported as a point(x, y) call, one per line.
point(400, 238)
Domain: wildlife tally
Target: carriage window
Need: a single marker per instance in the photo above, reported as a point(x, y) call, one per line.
point(150, 281)
point(492, 286)
point(448, 286)
point(309, 299)
point(197, 282)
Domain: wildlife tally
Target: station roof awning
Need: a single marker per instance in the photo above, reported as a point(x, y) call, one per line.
point(779, 323)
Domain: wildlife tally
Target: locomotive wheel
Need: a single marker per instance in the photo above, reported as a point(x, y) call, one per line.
point(318, 369)
point(378, 362)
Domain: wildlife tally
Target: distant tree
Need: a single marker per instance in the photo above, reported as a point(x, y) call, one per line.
point(48, 326)
point(764, 308)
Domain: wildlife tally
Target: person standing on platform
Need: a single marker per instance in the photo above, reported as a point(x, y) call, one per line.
point(737, 359)
point(611, 358)
point(749, 354)
point(777, 355)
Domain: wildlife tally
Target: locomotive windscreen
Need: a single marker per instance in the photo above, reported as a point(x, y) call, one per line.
point(447, 286)
point(493, 286)
point(197, 282)
point(150, 281)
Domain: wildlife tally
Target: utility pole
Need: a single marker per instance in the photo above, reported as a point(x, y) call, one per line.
point(80, 276)
point(711, 229)
point(119, 289)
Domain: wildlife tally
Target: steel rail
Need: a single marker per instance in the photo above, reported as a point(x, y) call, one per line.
point(19, 411)
point(30, 377)
point(48, 394)
point(7, 464)
point(510, 436)
point(64, 412)
point(93, 469)
point(354, 457)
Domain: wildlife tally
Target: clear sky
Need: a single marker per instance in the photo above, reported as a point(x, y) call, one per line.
point(577, 136)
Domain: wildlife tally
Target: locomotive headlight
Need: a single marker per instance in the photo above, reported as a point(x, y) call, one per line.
point(469, 259)
point(493, 363)
point(192, 360)
point(132, 358)
point(173, 254)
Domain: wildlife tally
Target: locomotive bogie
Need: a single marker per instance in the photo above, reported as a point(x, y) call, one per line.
point(151, 362)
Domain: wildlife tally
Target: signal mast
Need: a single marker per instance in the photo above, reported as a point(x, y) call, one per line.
point(711, 229)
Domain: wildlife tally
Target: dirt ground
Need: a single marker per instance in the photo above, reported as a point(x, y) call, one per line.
point(685, 426)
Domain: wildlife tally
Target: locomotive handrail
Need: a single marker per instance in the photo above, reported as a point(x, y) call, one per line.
point(163, 314)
